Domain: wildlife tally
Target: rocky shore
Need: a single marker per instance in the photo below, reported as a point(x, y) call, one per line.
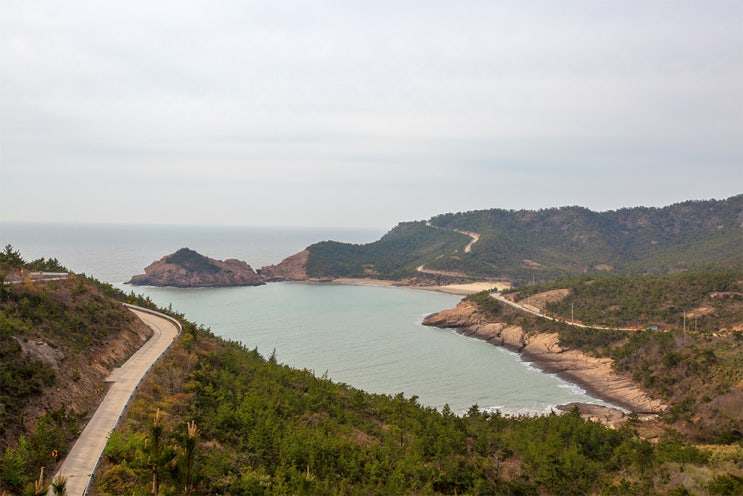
point(593, 374)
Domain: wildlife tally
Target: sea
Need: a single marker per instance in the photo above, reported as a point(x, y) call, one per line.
point(368, 337)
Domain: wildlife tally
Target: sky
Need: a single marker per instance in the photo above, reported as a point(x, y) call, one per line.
point(363, 114)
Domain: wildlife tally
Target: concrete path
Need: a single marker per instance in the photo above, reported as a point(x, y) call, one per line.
point(80, 463)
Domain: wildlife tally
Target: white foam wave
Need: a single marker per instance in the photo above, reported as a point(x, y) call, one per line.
point(573, 388)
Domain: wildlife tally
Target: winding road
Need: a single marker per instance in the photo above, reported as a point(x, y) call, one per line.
point(523, 308)
point(80, 463)
point(468, 248)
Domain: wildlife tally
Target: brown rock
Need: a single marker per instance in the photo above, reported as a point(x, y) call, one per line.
point(39, 350)
point(596, 375)
point(292, 268)
point(464, 315)
point(188, 269)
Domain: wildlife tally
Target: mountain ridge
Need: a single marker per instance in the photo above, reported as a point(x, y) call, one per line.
point(546, 244)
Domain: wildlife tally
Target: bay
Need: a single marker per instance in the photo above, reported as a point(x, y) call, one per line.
point(368, 337)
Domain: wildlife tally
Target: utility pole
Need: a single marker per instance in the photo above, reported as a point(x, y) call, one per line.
point(684, 320)
point(572, 315)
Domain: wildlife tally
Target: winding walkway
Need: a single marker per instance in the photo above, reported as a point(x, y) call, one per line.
point(80, 463)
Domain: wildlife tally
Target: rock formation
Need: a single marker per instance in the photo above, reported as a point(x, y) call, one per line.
point(290, 269)
point(189, 269)
point(39, 350)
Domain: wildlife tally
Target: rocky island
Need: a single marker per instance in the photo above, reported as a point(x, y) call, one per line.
point(188, 269)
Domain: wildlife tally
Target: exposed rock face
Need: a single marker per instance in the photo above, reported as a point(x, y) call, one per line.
point(39, 350)
point(189, 269)
point(290, 269)
point(594, 374)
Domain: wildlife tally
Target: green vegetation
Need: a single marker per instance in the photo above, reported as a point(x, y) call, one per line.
point(395, 256)
point(192, 261)
point(74, 319)
point(12, 259)
point(265, 428)
point(693, 363)
point(488, 306)
point(548, 244)
point(710, 301)
point(707, 300)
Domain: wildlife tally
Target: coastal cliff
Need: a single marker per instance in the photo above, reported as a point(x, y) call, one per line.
point(189, 269)
point(292, 268)
point(543, 349)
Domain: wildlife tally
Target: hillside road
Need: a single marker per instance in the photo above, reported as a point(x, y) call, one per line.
point(80, 463)
point(535, 311)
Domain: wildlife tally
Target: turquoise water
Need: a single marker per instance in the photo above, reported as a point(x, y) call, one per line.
point(372, 339)
point(368, 337)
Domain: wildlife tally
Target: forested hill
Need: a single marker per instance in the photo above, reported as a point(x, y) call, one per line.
point(546, 244)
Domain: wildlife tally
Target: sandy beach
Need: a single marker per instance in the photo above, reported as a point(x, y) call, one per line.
point(455, 289)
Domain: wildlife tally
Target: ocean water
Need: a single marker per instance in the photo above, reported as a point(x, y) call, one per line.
point(368, 337)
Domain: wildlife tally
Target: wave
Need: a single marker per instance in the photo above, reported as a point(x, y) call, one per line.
point(520, 411)
point(573, 388)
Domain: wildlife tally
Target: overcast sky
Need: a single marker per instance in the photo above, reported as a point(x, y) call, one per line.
point(363, 113)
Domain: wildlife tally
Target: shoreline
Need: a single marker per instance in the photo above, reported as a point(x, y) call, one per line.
point(594, 375)
point(619, 405)
point(549, 367)
point(454, 289)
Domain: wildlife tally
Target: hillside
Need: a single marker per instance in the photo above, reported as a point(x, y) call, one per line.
point(214, 417)
point(525, 246)
point(680, 340)
point(230, 421)
point(395, 256)
point(59, 340)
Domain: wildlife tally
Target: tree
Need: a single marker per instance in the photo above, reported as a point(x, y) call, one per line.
point(59, 486)
point(192, 433)
point(156, 434)
point(11, 258)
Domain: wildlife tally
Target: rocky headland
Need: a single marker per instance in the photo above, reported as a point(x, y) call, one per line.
point(595, 375)
point(292, 268)
point(188, 269)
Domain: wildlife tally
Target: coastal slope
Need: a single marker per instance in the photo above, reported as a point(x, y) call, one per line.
point(543, 349)
point(527, 246)
point(292, 268)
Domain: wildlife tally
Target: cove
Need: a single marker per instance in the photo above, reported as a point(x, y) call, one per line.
point(371, 338)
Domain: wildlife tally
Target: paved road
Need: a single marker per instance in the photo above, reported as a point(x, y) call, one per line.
point(82, 459)
point(523, 308)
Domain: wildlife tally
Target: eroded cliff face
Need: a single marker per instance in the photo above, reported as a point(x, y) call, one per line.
point(290, 269)
point(197, 271)
point(596, 375)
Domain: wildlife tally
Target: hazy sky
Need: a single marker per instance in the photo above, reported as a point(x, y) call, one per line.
point(363, 113)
